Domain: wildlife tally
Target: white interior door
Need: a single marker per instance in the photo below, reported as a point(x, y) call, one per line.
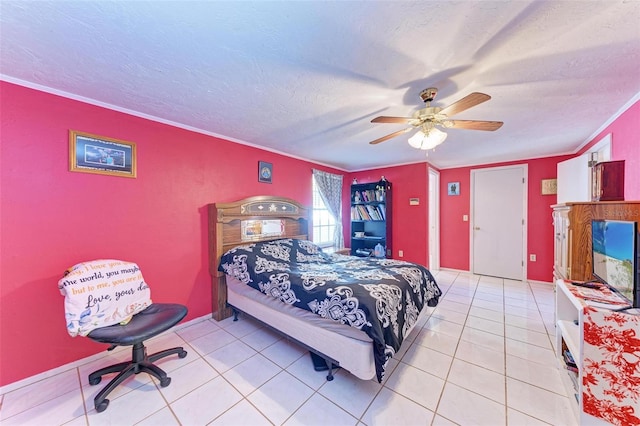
point(434, 220)
point(498, 234)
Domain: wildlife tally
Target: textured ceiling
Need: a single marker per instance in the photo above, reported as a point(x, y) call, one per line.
point(306, 78)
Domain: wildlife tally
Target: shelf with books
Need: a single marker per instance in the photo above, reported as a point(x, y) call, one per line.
point(371, 217)
point(375, 211)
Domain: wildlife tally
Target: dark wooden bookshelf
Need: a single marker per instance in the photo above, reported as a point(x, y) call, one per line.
point(371, 217)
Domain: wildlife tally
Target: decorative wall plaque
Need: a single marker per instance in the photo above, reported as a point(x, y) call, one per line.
point(549, 186)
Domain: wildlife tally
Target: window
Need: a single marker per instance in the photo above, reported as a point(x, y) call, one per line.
point(324, 224)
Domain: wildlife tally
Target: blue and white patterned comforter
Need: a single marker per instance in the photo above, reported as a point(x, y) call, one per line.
point(382, 297)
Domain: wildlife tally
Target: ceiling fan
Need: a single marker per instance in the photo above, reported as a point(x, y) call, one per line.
point(428, 120)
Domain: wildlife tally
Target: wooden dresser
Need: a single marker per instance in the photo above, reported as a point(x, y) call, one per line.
point(572, 228)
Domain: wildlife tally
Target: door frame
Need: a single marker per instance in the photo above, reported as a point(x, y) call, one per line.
point(433, 220)
point(525, 224)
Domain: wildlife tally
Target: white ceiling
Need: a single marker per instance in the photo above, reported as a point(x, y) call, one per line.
point(306, 78)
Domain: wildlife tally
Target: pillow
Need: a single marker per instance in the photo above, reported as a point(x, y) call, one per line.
point(308, 251)
point(100, 293)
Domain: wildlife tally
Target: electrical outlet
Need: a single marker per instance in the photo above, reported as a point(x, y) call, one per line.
point(400, 253)
point(465, 218)
point(532, 257)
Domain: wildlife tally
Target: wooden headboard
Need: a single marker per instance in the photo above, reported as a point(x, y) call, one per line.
point(226, 232)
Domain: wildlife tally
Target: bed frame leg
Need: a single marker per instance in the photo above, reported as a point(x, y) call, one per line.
point(330, 367)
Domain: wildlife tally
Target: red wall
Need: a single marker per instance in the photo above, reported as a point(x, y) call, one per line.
point(454, 233)
point(52, 218)
point(409, 223)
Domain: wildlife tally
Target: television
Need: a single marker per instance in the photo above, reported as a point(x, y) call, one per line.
point(615, 260)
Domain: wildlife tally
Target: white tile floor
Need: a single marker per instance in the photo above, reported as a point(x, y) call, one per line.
point(483, 356)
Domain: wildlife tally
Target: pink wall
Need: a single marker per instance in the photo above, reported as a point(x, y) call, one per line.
point(409, 223)
point(625, 141)
point(454, 233)
point(52, 218)
point(540, 234)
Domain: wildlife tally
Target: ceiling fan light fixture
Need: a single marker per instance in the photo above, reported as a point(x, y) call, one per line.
point(429, 140)
point(426, 119)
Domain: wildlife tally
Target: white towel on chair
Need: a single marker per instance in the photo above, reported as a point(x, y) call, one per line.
point(102, 292)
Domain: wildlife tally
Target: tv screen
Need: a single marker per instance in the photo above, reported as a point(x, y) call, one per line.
point(615, 256)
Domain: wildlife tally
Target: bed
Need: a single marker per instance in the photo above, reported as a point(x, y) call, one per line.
point(352, 312)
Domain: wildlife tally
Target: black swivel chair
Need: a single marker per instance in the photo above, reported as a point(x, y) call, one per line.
point(150, 322)
point(146, 324)
point(82, 318)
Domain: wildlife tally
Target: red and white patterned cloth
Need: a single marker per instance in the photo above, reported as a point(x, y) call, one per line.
point(611, 366)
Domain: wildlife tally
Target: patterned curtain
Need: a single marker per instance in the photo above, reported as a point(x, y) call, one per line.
point(330, 188)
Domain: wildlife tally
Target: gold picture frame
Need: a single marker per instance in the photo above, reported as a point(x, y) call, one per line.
point(101, 155)
point(549, 187)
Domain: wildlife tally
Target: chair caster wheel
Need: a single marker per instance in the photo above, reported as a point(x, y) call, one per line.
point(95, 381)
point(182, 354)
point(102, 406)
point(329, 378)
point(165, 382)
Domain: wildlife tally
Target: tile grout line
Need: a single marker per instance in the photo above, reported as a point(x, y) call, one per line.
point(537, 294)
point(446, 379)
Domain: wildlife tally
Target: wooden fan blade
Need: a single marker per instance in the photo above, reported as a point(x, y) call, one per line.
point(385, 119)
point(476, 125)
point(390, 136)
point(465, 103)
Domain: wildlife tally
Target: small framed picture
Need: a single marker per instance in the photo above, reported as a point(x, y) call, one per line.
point(549, 186)
point(453, 188)
point(101, 155)
point(265, 172)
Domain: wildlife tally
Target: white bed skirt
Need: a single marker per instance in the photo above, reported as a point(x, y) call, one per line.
point(352, 348)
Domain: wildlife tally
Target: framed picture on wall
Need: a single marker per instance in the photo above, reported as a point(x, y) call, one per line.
point(453, 188)
point(265, 171)
point(101, 155)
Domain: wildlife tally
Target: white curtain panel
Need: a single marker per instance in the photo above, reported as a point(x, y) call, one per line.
point(330, 188)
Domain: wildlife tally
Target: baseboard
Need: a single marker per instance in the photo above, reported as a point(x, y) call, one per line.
point(541, 282)
point(75, 364)
point(460, 271)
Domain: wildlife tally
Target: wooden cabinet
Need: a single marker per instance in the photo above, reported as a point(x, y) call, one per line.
point(371, 218)
point(608, 181)
point(572, 228)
